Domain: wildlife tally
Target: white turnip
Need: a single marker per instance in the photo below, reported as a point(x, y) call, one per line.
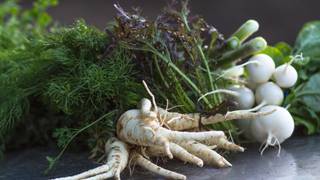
point(285, 75)
point(261, 72)
point(241, 94)
point(269, 94)
point(274, 128)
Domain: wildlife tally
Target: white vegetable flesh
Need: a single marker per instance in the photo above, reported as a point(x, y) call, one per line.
point(261, 72)
point(269, 93)
point(273, 128)
point(285, 76)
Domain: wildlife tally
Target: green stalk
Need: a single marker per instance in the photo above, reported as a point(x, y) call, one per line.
point(160, 72)
point(246, 30)
point(175, 68)
point(203, 57)
point(307, 93)
point(188, 105)
point(52, 161)
point(253, 46)
point(232, 43)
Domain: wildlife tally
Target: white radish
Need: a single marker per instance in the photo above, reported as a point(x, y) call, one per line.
point(242, 95)
point(261, 72)
point(234, 72)
point(285, 75)
point(273, 128)
point(269, 94)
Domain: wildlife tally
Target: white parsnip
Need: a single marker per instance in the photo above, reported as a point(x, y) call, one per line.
point(209, 156)
point(178, 122)
point(150, 131)
point(178, 152)
point(117, 160)
point(143, 162)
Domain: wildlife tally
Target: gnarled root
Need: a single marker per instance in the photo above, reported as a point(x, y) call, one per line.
point(192, 147)
point(136, 129)
point(145, 163)
point(117, 161)
point(178, 122)
point(198, 153)
point(143, 127)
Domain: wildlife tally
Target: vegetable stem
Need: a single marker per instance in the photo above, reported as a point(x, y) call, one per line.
point(71, 139)
point(203, 57)
point(253, 46)
point(246, 30)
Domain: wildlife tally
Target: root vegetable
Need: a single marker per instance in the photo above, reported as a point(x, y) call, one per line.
point(143, 162)
point(178, 152)
point(269, 94)
point(242, 95)
point(285, 75)
point(142, 129)
point(274, 128)
point(234, 72)
point(209, 156)
point(178, 122)
point(261, 72)
point(117, 161)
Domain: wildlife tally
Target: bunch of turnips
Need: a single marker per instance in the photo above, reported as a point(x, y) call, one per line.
point(263, 87)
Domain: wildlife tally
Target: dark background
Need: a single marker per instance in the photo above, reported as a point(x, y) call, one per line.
point(280, 20)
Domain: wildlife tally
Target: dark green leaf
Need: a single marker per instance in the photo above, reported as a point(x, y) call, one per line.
point(274, 53)
point(284, 48)
point(310, 97)
point(311, 129)
point(308, 41)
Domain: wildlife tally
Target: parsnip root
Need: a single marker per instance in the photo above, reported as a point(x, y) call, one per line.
point(117, 160)
point(143, 162)
point(144, 131)
point(178, 122)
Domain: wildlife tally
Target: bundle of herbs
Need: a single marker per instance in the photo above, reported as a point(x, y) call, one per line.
point(59, 82)
point(182, 57)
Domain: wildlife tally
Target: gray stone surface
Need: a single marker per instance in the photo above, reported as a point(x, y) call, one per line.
point(299, 159)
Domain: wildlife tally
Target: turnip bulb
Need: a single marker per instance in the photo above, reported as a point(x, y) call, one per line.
point(285, 76)
point(234, 72)
point(245, 97)
point(241, 94)
point(269, 94)
point(274, 128)
point(262, 71)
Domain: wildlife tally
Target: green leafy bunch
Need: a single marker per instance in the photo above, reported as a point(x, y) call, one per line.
point(67, 74)
point(182, 57)
point(17, 25)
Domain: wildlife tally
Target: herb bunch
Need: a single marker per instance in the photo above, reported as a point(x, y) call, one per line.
point(181, 56)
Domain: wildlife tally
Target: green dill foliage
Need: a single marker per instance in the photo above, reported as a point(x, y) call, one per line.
point(65, 78)
point(17, 29)
point(17, 25)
